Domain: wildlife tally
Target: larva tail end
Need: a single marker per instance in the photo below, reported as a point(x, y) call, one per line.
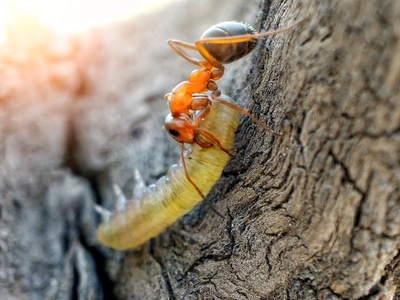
point(104, 213)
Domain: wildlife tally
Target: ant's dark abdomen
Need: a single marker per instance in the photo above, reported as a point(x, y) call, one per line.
point(231, 50)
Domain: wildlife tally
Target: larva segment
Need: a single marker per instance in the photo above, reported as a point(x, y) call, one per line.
point(156, 207)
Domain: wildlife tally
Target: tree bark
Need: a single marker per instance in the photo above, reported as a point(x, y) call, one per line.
point(311, 214)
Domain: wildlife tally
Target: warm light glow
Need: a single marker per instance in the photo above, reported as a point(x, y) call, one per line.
point(73, 15)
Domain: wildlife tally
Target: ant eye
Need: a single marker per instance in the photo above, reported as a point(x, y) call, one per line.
point(173, 132)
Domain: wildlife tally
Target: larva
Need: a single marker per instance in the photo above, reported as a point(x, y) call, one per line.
point(156, 207)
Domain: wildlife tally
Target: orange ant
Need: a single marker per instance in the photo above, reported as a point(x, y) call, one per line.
point(188, 102)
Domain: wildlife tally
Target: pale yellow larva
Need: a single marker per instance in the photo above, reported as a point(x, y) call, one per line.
point(156, 207)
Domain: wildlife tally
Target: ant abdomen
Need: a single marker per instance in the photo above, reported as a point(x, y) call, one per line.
point(229, 51)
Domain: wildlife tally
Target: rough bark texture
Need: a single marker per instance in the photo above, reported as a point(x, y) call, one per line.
point(314, 214)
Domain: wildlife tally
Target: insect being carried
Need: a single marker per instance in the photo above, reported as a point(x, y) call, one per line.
point(154, 208)
point(201, 117)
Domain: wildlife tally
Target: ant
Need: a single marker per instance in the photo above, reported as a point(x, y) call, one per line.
point(188, 102)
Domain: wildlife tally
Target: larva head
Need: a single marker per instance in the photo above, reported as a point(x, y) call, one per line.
point(229, 50)
point(180, 128)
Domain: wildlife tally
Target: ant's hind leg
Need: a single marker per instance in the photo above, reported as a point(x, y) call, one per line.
point(178, 46)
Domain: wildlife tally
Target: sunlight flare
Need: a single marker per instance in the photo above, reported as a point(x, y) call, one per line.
point(67, 16)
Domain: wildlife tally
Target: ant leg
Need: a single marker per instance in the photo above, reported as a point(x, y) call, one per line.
point(187, 174)
point(193, 184)
point(177, 46)
point(202, 114)
point(214, 62)
point(247, 113)
point(199, 117)
point(212, 138)
point(200, 101)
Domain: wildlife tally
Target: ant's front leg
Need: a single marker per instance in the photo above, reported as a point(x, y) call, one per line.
point(199, 102)
point(202, 137)
point(202, 114)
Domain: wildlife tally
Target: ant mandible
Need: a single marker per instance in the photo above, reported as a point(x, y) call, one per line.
point(188, 102)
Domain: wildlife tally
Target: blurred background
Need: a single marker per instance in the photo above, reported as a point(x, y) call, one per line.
point(73, 16)
point(81, 107)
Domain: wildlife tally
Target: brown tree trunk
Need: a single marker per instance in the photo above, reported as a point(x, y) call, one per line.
point(313, 214)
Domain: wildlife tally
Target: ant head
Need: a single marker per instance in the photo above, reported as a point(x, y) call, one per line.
point(180, 128)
